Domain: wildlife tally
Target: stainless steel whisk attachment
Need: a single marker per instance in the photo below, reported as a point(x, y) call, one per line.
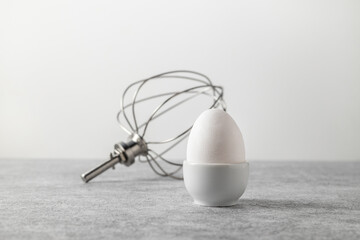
point(136, 147)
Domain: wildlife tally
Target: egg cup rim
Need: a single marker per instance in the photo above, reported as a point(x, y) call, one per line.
point(215, 164)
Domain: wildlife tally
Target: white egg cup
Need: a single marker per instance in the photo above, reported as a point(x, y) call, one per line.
point(216, 184)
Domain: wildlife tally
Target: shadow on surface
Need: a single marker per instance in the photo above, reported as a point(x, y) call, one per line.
point(132, 180)
point(285, 204)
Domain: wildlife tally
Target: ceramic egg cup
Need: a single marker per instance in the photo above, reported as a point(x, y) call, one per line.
point(216, 184)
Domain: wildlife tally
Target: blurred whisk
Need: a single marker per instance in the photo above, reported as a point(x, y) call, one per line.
point(136, 146)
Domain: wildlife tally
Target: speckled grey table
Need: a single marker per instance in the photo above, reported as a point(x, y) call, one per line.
point(46, 199)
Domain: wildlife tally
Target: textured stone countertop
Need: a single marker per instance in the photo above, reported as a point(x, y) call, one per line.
point(46, 199)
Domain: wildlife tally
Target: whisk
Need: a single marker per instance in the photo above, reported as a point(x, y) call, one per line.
point(136, 146)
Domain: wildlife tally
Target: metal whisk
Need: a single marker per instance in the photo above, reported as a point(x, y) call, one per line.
point(136, 146)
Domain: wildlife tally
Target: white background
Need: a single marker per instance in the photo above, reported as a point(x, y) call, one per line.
point(290, 69)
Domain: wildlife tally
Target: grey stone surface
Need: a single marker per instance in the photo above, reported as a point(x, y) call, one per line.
point(46, 199)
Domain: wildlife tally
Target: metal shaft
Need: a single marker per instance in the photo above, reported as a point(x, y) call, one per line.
point(86, 177)
point(124, 153)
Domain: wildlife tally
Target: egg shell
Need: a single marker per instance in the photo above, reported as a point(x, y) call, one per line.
point(215, 138)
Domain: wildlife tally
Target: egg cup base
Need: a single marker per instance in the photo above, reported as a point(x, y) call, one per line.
point(216, 185)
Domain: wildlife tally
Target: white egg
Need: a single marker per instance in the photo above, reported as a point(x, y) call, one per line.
point(215, 138)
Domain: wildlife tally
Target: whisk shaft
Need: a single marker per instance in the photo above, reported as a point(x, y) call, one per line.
point(86, 177)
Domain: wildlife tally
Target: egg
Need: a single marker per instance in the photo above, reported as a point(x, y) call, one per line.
point(215, 138)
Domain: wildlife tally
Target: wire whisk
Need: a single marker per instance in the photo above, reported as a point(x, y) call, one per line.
point(136, 146)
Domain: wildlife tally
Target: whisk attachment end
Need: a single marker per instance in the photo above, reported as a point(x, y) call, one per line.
point(124, 153)
point(86, 177)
